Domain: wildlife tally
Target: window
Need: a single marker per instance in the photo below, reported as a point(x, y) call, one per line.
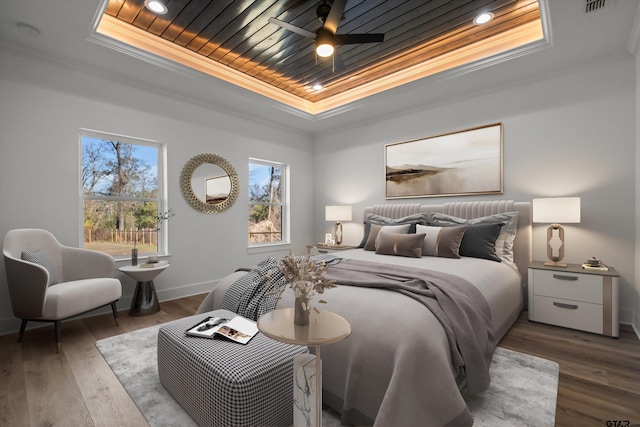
point(122, 197)
point(268, 203)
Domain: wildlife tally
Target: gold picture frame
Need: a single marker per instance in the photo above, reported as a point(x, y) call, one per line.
point(464, 162)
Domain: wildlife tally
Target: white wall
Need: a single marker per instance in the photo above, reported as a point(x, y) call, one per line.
point(567, 134)
point(43, 107)
point(636, 321)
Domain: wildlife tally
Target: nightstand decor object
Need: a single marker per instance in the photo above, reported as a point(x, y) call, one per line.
point(555, 210)
point(338, 214)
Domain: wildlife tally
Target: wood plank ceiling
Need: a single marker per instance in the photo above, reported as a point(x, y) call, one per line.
point(238, 35)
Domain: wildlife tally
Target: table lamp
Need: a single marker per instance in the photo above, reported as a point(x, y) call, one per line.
point(555, 210)
point(338, 214)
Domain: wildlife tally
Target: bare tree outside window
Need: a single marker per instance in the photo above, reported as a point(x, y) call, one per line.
point(266, 202)
point(121, 196)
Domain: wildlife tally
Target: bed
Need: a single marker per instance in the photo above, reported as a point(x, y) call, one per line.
point(399, 366)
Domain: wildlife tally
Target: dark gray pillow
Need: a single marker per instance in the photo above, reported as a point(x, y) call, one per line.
point(479, 241)
point(409, 245)
point(39, 258)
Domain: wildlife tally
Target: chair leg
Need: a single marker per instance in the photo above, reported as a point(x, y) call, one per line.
point(23, 325)
point(115, 312)
point(56, 328)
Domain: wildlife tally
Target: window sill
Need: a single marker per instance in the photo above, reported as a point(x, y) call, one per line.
point(268, 247)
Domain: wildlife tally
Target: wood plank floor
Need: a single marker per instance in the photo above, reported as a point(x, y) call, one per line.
point(599, 376)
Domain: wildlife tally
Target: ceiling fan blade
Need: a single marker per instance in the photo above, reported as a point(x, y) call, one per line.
point(293, 28)
point(335, 15)
point(338, 65)
point(358, 38)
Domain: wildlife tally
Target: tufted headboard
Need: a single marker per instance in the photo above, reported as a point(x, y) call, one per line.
point(467, 210)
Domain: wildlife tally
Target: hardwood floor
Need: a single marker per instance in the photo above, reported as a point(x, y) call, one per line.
point(599, 376)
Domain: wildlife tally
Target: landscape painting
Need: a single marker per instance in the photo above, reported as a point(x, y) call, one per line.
point(459, 163)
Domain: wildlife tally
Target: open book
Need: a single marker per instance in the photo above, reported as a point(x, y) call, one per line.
point(238, 329)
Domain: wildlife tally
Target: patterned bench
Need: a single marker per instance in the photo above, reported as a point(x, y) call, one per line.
point(223, 383)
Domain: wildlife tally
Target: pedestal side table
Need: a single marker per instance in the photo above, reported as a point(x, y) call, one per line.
point(145, 300)
point(324, 328)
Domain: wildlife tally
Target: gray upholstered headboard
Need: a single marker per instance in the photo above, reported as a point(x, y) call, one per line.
point(467, 210)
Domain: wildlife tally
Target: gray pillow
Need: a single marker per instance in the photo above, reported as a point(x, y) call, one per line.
point(39, 258)
point(409, 245)
point(412, 220)
point(479, 241)
point(504, 242)
point(377, 229)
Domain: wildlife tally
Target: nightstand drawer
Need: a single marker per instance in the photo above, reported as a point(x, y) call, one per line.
point(568, 285)
point(568, 313)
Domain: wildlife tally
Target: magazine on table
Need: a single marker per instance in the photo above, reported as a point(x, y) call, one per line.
point(238, 329)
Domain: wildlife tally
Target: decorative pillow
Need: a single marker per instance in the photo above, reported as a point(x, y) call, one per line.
point(376, 229)
point(479, 241)
point(412, 220)
point(39, 258)
point(442, 241)
point(409, 245)
point(504, 242)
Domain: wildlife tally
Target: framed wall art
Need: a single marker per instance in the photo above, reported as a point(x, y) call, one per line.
point(459, 163)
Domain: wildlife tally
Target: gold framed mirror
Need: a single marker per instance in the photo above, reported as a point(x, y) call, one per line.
point(209, 183)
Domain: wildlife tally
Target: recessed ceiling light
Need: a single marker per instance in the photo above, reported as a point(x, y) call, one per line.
point(483, 18)
point(156, 6)
point(317, 86)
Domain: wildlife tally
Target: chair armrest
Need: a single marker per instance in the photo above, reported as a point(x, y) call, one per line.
point(27, 284)
point(78, 264)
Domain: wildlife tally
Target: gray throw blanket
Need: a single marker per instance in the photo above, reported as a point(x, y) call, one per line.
point(460, 308)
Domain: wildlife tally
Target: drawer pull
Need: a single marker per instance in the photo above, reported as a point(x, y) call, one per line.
point(562, 277)
point(563, 305)
point(323, 251)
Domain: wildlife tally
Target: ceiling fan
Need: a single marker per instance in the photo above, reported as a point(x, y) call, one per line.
point(325, 37)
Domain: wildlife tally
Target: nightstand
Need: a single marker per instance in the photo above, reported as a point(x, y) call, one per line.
point(318, 248)
point(574, 297)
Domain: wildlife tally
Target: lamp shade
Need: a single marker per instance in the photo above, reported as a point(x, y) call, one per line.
point(553, 210)
point(337, 213)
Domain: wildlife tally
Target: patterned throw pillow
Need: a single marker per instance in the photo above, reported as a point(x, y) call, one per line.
point(376, 230)
point(39, 258)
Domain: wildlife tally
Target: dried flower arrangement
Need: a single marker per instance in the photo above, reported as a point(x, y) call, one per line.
point(305, 277)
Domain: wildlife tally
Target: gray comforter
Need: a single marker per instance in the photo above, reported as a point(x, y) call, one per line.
point(400, 366)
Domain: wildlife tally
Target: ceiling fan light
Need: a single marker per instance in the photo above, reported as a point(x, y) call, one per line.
point(156, 6)
point(324, 50)
point(483, 18)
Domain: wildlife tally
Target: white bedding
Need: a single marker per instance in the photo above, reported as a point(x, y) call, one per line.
point(500, 284)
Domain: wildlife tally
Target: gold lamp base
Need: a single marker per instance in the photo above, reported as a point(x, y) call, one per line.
point(555, 260)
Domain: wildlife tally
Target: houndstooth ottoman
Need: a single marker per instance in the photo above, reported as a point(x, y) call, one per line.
point(223, 383)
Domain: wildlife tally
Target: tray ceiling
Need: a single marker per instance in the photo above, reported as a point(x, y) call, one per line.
point(233, 40)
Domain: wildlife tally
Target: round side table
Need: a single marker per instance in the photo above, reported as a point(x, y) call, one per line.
point(145, 300)
point(324, 328)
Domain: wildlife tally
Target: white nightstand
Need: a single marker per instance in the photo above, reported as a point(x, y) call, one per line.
point(574, 297)
point(326, 249)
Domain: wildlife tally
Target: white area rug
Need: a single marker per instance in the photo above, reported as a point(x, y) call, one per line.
point(523, 388)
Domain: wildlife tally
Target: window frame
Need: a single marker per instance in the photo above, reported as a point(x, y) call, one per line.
point(284, 205)
point(161, 178)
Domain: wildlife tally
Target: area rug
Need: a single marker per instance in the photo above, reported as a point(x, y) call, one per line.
point(523, 388)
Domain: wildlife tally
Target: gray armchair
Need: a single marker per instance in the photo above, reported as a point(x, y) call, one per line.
point(49, 282)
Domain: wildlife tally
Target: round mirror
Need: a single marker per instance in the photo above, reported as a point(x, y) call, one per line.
point(209, 183)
